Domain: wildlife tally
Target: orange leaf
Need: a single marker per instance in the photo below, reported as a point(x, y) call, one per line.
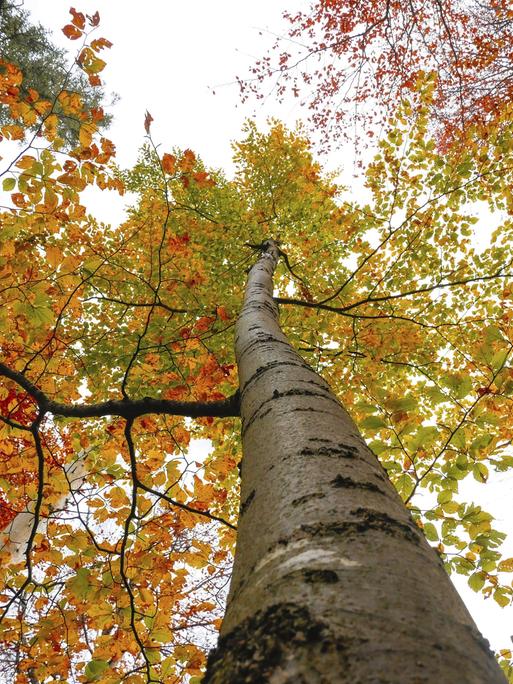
point(188, 160)
point(71, 32)
point(222, 313)
point(203, 180)
point(100, 43)
point(13, 132)
point(26, 162)
point(19, 199)
point(203, 323)
point(169, 163)
point(78, 18)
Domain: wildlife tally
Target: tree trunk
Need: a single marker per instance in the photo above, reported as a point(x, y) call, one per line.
point(332, 581)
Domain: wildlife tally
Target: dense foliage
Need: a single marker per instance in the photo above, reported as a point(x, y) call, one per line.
point(116, 355)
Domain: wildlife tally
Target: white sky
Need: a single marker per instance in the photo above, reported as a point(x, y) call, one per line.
point(167, 56)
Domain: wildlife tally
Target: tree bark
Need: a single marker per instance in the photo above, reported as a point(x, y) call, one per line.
point(332, 580)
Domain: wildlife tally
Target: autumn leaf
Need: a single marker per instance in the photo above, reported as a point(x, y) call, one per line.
point(72, 32)
point(78, 18)
point(168, 162)
point(94, 19)
point(117, 511)
point(100, 43)
point(187, 161)
point(147, 122)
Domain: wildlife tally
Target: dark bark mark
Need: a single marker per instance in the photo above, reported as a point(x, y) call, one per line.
point(338, 450)
point(246, 426)
point(261, 340)
point(264, 643)
point(324, 576)
point(382, 521)
point(348, 483)
point(369, 520)
point(308, 497)
point(259, 413)
point(252, 306)
point(309, 409)
point(244, 506)
point(296, 392)
point(269, 367)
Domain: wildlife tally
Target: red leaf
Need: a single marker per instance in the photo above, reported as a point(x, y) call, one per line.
point(94, 20)
point(147, 122)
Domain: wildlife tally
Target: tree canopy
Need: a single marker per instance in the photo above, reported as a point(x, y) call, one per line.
point(350, 62)
point(117, 355)
point(46, 73)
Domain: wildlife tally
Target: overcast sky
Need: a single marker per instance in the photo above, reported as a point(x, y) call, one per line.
point(167, 58)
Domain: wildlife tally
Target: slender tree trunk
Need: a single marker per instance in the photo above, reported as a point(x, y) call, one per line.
point(332, 582)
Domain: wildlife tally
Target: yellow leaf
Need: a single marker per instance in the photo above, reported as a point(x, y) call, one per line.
point(53, 256)
point(506, 565)
point(85, 135)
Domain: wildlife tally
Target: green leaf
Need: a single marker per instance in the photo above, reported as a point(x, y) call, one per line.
point(444, 496)
point(95, 668)
point(79, 585)
point(43, 315)
point(162, 634)
point(364, 407)
point(501, 596)
point(450, 507)
point(431, 532)
point(476, 581)
point(498, 359)
point(8, 184)
point(459, 384)
point(480, 472)
point(435, 394)
point(479, 444)
point(168, 667)
point(404, 485)
point(404, 404)
point(373, 423)
point(423, 438)
point(378, 447)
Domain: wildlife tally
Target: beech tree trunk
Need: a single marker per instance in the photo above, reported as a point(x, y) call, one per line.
point(332, 582)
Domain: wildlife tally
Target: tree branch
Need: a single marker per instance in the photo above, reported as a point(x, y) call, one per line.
point(126, 408)
point(386, 298)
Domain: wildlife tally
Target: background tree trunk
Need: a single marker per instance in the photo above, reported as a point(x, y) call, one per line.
point(332, 581)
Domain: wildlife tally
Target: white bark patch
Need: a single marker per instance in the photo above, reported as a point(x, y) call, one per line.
point(318, 557)
point(15, 536)
point(312, 557)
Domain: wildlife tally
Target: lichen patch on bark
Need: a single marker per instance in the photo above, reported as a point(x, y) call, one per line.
point(283, 644)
